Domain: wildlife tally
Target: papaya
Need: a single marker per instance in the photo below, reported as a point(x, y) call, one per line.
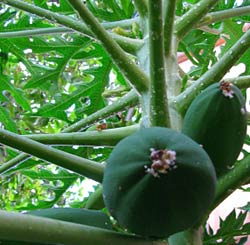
point(158, 182)
point(216, 119)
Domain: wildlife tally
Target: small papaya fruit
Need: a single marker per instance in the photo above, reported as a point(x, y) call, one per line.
point(216, 119)
point(158, 182)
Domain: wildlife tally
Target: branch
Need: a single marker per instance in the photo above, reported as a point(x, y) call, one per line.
point(28, 228)
point(109, 137)
point(159, 115)
point(214, 74)
point(142, 7)
point(222, 15)
point(241, 81)
point(130, 45)
point(66, 160)
point(127, 100)
point(189, 20)
point(169, 25)
point(13, 162)
point(135, 75)
point(232, 180)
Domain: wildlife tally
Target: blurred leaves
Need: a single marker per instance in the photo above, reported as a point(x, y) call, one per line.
point(231, 229)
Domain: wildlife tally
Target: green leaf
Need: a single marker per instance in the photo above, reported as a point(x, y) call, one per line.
point(18, 94)
point(230, 228)
point(56, 182)
point(55, 6)
point(235, 31)
point(6, 120)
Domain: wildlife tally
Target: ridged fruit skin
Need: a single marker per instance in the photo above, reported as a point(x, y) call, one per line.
point(218, 123)
point(158, 206)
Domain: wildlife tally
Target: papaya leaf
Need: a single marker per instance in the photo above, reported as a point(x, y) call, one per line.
point(6, 120)
point(56, 182)
point(234, 29)
point(230, 228)
point(111, 10)
point(55, 6)
point(18, 94)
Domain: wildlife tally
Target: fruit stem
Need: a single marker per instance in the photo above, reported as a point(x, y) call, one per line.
point(189, 237)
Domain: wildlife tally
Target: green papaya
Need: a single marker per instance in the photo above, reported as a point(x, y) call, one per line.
point(216, 119)
point(158, 182)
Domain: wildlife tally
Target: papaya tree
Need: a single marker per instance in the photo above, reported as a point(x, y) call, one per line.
point(95, 90)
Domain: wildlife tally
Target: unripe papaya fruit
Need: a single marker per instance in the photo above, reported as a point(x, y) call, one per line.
point(158, 182)
point(216, 119)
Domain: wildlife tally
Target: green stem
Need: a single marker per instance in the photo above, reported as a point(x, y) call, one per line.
point(95, 200)
point(232, 180)
point(135, 75)
point(241, 81)
point(109, 137)
point(66, 160)
point(188, 237)
point(28, 228)
point(169, 25)
point(130, 99)
point(222, 15)
point(13, 162)
point(130, 45)
point(188, 21)
point(127, 100)
point(142, 7)
point(214, 74)
point(159, 115)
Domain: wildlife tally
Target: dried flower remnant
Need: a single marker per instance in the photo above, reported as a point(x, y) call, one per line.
point(227, 90)
point(163, 161)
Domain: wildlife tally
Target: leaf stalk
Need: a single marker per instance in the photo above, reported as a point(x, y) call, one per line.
point(159, 115)
point(85, 167)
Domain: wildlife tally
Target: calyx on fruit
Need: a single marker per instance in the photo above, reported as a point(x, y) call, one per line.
point(162, 162)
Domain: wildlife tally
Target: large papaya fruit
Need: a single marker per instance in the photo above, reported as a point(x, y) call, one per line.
point(216, 119)
point(158, 182)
